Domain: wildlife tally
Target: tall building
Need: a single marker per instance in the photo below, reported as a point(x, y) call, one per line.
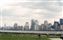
point(61, 24)
point(32, 24)
point(61, 21)
point(26, 27)
point(36, 27)
point(45, 25)
point(56, 25)
point(45, 22)
point(20, 28)
point(61, 27)
point(42, 27)
point(15, 26)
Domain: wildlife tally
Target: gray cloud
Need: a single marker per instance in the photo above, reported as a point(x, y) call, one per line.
point(48, 10)
point(51, 6)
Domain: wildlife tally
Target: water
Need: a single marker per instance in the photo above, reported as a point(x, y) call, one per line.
point(55, 39)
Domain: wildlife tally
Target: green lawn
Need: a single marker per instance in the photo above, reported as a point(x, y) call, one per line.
point(21, 37)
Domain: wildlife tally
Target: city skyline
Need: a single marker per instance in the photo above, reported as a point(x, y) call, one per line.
point(56, 26)
point(30, 22)
point(21, 11)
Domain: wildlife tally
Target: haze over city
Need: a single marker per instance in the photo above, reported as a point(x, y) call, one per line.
point(21, 11)
point(31, 16)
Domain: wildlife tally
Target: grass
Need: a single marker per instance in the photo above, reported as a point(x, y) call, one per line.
point(7, 36)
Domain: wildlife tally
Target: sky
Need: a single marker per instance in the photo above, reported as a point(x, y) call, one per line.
point(21, 11)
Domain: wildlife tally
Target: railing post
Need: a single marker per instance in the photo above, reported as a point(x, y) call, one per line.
point(39, 35)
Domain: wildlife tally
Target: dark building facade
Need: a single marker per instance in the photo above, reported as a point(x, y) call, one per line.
point(56, 25)
point(61, 21)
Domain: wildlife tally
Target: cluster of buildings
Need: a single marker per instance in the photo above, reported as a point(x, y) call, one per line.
point(56, 26)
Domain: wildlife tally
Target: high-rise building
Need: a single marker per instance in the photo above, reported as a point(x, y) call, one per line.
point(20, 28)
point(45, 25)
point(26, 27)
point(15, 26)
point(61, 27)
point(42, 27)
point(49, 27)
point(32, 24)
point(61, 21)
point(36, 27)
point(56, 25)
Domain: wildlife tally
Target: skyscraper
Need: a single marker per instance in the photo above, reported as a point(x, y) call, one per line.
point(45, 25)
point(26, 27)
point(61, 21)
point(61, 24)
point(61, 27)
point(36, 27)
point(15, 25)
point(32, 24)
point(45, 22)
point(56, 25)
point(42, 27)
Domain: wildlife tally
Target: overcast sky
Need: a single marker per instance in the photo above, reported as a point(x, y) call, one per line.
point(21, 11)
